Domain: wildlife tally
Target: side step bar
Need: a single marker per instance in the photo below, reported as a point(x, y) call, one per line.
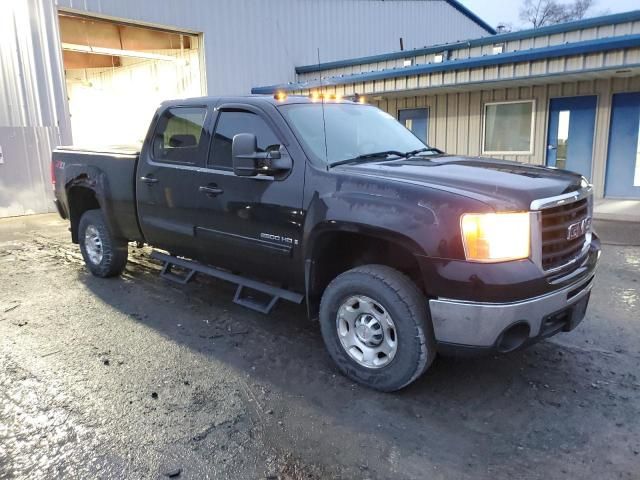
point(273, 293)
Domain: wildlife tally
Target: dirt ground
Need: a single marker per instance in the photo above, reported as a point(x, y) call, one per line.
point(138, 378)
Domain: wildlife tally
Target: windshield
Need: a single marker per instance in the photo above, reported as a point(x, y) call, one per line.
point(352, 131)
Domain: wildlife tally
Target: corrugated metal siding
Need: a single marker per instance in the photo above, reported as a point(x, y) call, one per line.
point(246, 43)
point(617, 30)
point(474, 77)
point(455, 118)
point(33, 117)
point(258, 42)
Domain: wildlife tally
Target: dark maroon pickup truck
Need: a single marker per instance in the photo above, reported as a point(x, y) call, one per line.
point(399, 249)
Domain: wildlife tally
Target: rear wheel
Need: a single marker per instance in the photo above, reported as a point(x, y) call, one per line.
point(104, 255)
point(376, 327)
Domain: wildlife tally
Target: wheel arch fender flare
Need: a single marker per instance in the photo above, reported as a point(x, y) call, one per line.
point(314, 249)
point(92, 179)
point(312, 241)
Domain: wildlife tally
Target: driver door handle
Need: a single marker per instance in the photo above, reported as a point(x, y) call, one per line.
point(149, 180)
point(210, 190)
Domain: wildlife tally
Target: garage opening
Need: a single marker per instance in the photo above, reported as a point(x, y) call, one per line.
point(118, 73)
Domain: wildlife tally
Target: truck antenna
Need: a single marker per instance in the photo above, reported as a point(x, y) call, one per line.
point(324, 122)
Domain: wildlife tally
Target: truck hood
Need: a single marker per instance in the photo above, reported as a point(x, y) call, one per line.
point(502, 184)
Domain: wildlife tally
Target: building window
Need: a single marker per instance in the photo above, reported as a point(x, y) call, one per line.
point(416, 120)
point(508, 128)
point(636, 177)
point(562, 148)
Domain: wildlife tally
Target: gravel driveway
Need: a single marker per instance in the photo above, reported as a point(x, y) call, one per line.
point(138, 378)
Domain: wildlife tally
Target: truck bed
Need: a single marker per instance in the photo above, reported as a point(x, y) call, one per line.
point(106, 149)
point(113, 170)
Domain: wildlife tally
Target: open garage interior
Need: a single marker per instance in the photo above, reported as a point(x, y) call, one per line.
point(117, 73)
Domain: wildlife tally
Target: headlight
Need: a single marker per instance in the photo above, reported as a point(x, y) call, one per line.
point(496, 237)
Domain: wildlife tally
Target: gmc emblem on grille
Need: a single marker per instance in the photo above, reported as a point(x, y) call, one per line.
point(578, 229)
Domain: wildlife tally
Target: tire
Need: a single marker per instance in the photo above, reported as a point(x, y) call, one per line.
point(366, 298)
point(107, 257)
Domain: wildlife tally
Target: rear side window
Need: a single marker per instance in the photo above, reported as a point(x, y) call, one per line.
point(233, 122)
point(178, 135)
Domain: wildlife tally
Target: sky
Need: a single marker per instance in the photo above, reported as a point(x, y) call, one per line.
point(506, 11)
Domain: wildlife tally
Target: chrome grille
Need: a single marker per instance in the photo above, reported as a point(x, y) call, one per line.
point(557, 250)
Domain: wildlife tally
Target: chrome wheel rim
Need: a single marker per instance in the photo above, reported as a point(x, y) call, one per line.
point(366, 331)
point(93, 244)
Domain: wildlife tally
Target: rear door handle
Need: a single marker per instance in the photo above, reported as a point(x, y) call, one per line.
point(210, 190)
point(149, 180)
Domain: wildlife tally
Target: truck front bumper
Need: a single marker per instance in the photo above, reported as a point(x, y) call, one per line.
point(469, 327)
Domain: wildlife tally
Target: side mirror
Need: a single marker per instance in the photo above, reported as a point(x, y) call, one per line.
point(243, 150)
point(249, 162)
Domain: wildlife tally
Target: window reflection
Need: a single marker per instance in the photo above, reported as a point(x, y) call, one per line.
point(636, 177)
point(563, 138)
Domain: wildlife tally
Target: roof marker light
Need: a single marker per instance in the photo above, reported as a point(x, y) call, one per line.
point(315, 96)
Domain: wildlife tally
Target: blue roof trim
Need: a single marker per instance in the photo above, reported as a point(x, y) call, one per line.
point(503, 37)
point(480, 84)
point(472, 16)
point(567, 49)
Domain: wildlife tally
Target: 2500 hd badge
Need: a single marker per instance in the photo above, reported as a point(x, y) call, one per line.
point(278, 238)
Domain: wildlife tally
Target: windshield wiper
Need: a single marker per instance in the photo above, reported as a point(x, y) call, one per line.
point(385, 154)
point(422, 150)
point(368, 156)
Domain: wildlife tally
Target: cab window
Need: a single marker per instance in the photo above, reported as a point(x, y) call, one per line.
point(231, 123)
point(179, 134)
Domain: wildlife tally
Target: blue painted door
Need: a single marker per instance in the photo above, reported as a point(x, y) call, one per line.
point(416, 120)
point(572, 122)
point(623, 161)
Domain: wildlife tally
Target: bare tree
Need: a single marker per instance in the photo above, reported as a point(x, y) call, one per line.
point(550, 12)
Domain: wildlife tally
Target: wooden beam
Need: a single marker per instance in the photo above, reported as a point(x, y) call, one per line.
point(104, 34)
point(74, 60)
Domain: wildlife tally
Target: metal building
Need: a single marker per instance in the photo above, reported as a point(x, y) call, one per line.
point(92, 71)
point(566, 96)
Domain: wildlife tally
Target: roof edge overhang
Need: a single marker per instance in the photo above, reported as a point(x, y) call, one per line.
point(521, 81)
point(614, 19)
point(471, 16)
point(555, 51)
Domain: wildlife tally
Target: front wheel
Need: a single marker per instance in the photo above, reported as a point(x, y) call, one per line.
point(105, 255)
point(376, 327)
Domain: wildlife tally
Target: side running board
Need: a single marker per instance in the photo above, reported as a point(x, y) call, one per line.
point(245, 285)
